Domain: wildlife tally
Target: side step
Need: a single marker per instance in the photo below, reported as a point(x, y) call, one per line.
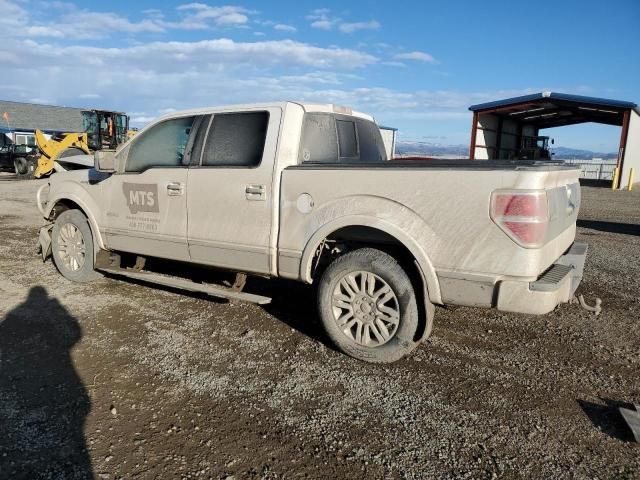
point(183, 284)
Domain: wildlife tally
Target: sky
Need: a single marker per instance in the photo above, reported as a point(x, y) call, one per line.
point(414, 65)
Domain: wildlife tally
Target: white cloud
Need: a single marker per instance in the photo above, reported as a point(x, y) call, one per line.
point(66, 20)
point(86, 24)
point(353, 27)
point(206, 54)
point(417, 56)
point(317, 78)
point(13, 16)
point(322, 19)
point(232, 19)
point(394, 64)
point(153, 13)
point(78, 24)
point(147, 78)
point(41, 31)
point(285, 28)
point(201, 16)
point(141, 119)
point(57, 5)
point(89, 96)
point(152, 78)
point(325, 24)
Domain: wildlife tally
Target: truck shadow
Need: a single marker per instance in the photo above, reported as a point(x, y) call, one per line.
point(611, 227)
point(607, 418)
point(43, 402)
point(294, 304)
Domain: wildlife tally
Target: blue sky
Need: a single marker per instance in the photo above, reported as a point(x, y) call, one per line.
point(414, 65)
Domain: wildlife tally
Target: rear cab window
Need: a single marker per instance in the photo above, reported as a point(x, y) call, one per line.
point(335, 138)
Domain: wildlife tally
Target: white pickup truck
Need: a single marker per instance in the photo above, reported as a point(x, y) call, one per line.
point(306, 192)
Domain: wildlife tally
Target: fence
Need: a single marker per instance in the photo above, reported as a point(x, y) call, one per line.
point(595, 170)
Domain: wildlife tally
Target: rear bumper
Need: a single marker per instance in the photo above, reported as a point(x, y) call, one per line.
point(557, 285)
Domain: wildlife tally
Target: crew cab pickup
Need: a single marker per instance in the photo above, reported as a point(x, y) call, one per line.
point(306, 192)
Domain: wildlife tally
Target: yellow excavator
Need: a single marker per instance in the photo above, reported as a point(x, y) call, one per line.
point(103, 130)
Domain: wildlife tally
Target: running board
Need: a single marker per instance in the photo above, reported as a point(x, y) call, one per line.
point(183, 284)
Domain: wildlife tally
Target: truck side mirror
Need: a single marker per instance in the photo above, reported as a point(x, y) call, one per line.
point(105, 161)
point(553, 141)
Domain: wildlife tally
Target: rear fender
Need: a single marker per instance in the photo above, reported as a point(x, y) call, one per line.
point(401, 223)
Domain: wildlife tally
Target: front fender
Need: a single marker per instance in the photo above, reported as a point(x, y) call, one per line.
point(84, 201)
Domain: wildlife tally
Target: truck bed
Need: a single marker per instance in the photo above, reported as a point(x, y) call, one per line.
point(441, 205)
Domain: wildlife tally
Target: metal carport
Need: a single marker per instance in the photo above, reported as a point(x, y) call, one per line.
point(497, 127)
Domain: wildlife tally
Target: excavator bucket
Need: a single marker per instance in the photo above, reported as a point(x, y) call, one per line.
point(52, 149)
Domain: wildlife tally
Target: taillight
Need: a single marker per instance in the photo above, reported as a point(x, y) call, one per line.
point(521, 214)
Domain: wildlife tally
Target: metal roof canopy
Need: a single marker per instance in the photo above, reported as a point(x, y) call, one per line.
point(498, 127)
point(551, 109)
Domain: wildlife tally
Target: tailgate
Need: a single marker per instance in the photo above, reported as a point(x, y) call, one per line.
point(564, 203)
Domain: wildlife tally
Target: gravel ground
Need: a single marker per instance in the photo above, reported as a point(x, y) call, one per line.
point(119, 380)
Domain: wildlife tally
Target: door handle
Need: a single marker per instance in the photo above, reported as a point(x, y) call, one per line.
point(175, 188)
point(255, 192)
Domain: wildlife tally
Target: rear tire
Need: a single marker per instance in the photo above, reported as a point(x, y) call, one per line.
point(72, 247)
point(368, 306)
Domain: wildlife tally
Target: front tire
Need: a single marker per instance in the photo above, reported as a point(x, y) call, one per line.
point(72, 247)
point(368, 306)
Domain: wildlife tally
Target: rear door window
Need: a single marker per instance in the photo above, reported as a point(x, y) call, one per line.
point(236, 140)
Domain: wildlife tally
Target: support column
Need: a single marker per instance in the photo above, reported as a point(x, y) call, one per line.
point(622, 147)
point(474, 132)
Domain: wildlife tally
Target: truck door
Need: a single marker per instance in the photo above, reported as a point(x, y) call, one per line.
point(147, 199)
point(229, 195)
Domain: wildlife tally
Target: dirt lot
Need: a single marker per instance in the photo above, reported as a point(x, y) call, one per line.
point(119, 380)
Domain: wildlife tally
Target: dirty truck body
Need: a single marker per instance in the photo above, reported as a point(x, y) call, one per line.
point(305, 192)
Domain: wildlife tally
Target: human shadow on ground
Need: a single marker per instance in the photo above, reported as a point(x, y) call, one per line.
point(606, 417)
point(43, 402)
point(611, 227)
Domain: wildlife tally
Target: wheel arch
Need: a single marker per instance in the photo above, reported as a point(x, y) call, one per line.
point(61, 203)
point(387, 233)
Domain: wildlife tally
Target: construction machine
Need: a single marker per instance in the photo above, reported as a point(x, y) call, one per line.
point(534, 148)
point(103, 130)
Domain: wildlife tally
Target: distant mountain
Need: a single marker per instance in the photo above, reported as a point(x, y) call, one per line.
point(462, 151)
point(568, 153)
